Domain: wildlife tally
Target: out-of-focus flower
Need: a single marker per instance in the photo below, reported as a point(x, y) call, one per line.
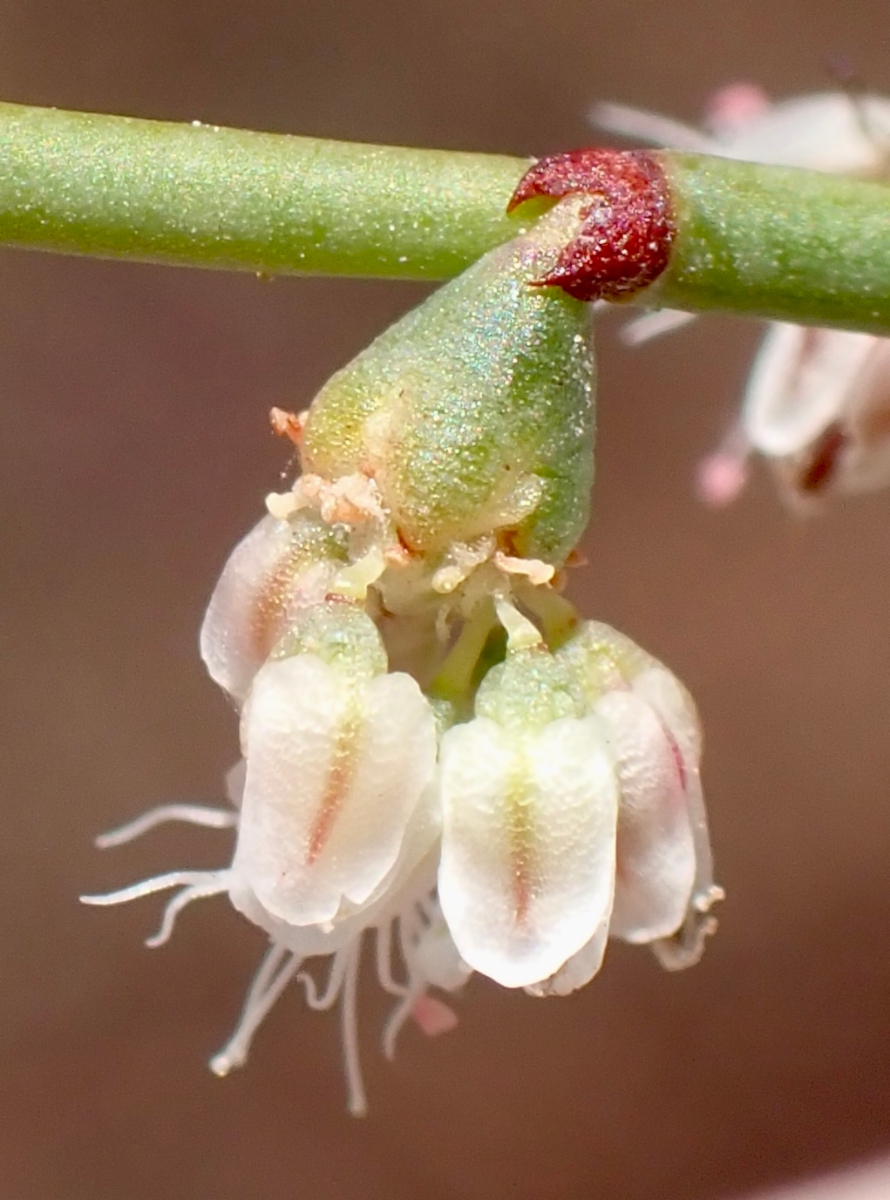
point(435, 752)
point(817, 403)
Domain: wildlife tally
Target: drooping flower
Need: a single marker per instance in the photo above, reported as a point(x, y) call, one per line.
point(529, 808)
point(572, 811)
point(434, 751)
point(817, 403)
point(336, 823)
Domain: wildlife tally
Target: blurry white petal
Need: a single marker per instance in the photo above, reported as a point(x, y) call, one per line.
point(334, 774)
point(580, 968)
point(865, 460)
point(655, 851)
point(653, 324)
point(799, 384)
point(528, 845)
point(253, 599)
point(660, 687)
point(651, 127)
point(829, 131)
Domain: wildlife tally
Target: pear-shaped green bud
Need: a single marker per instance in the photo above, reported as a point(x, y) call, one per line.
point(474, 413)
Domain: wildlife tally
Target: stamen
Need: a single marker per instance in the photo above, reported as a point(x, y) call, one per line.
point(334, 985)
point(384, 961)
point(396, 1020)
point(196, 892)
point(357, 1103)
point(409, 930)
point(195, 814)
point(267, 986)
point(158, 883)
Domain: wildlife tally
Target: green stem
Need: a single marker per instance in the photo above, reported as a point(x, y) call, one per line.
point(777, 242)
point(201, 195)
point(762, 241)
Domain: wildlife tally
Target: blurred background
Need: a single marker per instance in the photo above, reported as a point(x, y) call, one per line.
point(136, 450)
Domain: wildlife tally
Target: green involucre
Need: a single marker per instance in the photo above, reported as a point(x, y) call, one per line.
point(474, 412)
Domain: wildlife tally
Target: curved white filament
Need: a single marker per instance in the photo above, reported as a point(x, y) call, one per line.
point(268, 984)
point(194, 814)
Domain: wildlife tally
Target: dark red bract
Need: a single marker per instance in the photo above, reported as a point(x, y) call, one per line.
point(625, 238)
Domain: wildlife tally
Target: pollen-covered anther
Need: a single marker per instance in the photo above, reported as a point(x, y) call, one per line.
point(626, 232)
point(288, 424)
point(535, 570)
point(349, 500)
point(459, 562)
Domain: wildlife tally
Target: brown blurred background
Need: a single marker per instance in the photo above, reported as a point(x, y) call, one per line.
point(135, 451)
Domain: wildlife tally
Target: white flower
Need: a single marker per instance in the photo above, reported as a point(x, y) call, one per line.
point(528, 847)
point(337, 826)
point(421, 762)
point(817, 403)
point(572, 810)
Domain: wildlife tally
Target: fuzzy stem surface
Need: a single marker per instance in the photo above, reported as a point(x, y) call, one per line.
point(755, 240)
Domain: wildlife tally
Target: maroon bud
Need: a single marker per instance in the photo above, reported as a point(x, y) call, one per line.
point(626, 232)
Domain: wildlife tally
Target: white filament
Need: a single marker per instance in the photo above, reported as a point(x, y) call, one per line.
point(194, 814)
point(268, 984)
point(280, 965)
point(384, 961)
point(357, 1101)
point(410, 928)
point(328, 997)
point(160, 883)
point(197, 891)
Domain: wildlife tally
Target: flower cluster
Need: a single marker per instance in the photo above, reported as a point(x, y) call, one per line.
point(817, 403)
point(435, 748)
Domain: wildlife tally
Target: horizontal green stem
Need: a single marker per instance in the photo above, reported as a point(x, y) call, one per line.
point(778, 242)
point(117, 187)
point(763, 241)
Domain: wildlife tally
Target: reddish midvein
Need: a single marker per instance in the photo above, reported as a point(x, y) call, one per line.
point(340, 775)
